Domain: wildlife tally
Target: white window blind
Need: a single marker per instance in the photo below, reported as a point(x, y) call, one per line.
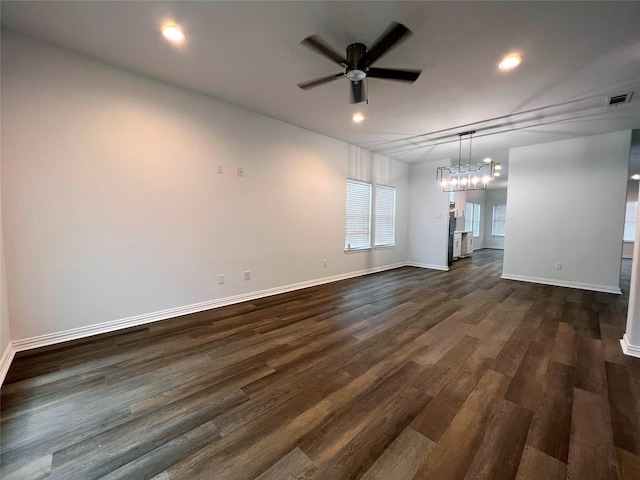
point(630, 222)
point(472, 218)
point(358, 229)
point(385, 216)
point(476, 220)
point(499, 220)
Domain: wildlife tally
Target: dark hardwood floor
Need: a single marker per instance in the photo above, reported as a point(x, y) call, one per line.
point(406, 374)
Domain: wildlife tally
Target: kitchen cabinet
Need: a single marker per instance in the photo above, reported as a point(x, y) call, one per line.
point(457, 245)
point(462, 244)
point(466, 244)
point(461, 204)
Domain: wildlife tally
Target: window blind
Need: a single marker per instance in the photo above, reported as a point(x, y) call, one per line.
point(499, 220)
point(476, 220)
point(358, 228)
point(468, 217)
point(385, 215)
point(472, 218)
point(630, 222)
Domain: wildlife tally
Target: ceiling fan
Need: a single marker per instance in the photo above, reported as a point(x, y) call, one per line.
point(359, 60)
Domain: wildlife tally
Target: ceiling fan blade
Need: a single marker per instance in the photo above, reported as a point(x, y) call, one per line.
point(315, 43)
point(357, 92)
point(320, 81)
point(394, 74)
point(393, 35)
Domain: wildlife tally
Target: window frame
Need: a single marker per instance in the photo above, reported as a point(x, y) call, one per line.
point(389, 240)
point(473, 221)
point(630, 221)
point(354, 232)
point(493, 220)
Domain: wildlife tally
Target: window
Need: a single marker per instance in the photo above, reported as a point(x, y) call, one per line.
point(358, 225)
point(472, 218)
point(385, 216)
point(499, 220)
point(630, 222)
point(358, 229)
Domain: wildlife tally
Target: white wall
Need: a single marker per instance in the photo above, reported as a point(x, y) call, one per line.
point(631, 339)
point(5, 334)
point(565, 204)
point(113, 207)
point(428, 217)
point(493, 197)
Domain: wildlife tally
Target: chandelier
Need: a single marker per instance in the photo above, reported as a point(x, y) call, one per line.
point(466, 176)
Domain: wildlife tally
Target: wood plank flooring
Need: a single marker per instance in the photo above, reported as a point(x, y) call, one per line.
point(403, 375)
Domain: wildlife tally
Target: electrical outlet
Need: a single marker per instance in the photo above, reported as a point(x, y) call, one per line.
point(240, 172)
point(220, 168)
point(247, 275)
point(220, 279)
point(558, 266)
point(324, 263)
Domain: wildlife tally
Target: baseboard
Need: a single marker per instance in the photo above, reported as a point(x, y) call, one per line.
point(5, 361)
point(106, 327)
point(432, 266)
point(629, 349)
point(562, 283)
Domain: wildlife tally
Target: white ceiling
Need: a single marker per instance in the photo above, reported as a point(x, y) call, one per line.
point(576, 54)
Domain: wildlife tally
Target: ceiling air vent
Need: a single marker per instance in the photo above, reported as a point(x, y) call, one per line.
point(614, 100)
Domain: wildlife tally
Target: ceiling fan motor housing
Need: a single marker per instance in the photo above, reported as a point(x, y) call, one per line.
point(355, 52)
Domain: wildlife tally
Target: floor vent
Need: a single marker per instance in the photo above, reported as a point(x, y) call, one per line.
point(614, 100)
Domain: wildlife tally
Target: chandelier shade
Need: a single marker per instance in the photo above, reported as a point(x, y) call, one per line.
point(470, 175)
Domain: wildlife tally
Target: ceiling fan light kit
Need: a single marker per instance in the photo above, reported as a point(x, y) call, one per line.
point(359, 59)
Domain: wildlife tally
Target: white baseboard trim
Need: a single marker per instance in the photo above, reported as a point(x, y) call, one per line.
point(432, 266)
point(106, 327)
point(5, 361)
point(628, 348)
point(562, 283)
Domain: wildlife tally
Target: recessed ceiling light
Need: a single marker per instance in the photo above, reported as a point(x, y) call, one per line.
point(357, 117)
point(487, 160)
point(635, 177)
point(497, 174)
point(173, 33)
point(509, 62)
point(498, 166)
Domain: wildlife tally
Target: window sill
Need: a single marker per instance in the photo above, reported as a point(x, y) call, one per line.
point(378, 247)
point(353, 250)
